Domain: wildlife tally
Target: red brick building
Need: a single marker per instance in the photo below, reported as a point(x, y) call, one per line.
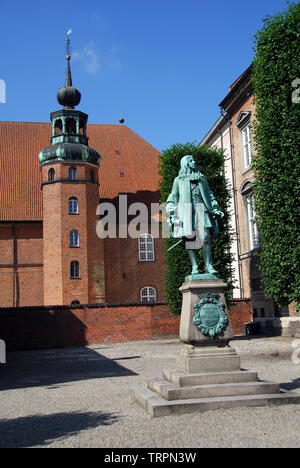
point(50, 253)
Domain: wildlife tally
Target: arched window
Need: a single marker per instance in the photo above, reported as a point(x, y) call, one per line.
point(92, 176)
point(148, 294)
point(252, 226)
point(75, 303)
point(74, 239)
point(74, 270)
point(247, 193)
point(73, 206)
point(146, 248)
point(71, 126)
point(51, 175)
point(58, 127)
point(82, 128)
point(72, 173)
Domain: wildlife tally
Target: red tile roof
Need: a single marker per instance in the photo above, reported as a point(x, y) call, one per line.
point(20, 176)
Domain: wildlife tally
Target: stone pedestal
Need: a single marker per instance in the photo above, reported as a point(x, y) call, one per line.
point(191, 294)
point(200, 360)
point(208, 373)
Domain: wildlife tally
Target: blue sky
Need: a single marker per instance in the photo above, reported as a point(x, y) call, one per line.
point(162, 65)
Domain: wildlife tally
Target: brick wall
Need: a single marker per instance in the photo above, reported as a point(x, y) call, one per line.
point(53, 327)
point(21, 264)
point(125, 275)
point(240, 313)
point(50, 327)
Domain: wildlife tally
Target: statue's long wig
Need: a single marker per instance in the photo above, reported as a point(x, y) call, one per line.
point(185, 170)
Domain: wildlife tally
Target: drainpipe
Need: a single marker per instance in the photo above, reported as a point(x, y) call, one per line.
point(14, 264)
point(227, 116)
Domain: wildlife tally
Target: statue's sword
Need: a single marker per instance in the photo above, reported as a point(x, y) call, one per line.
point(173, 246)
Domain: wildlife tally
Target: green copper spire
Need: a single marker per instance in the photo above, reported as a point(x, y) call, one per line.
point(69, 141)
point(68, 57)
point(68, 96)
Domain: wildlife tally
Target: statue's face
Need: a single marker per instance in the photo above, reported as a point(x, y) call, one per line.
point(191, 162)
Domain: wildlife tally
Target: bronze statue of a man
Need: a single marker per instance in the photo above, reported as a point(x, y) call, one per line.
point(193, 210)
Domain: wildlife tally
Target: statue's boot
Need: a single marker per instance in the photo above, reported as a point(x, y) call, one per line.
point(193, 258)
point(209, 268)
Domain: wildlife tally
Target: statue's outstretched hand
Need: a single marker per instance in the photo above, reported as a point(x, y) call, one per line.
point(218, 213)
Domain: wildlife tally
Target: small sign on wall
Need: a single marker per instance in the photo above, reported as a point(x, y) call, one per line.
point(2, 352)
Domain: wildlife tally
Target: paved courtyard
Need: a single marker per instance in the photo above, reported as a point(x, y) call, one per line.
point(80, 397)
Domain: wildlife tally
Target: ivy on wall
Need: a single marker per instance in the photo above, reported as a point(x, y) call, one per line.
point(276, 76)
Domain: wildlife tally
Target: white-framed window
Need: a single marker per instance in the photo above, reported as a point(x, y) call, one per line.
point(73, 206)
point(252, 226)
point(74, 270)
point(146, 248)
point(148, 294)
point(74, 239)
point(247, 145)
point(72, 173)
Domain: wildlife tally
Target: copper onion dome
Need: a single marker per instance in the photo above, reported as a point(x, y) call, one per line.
point(68, 96)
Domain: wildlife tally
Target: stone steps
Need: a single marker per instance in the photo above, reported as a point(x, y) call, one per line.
point(208, 378)
point(170, 391)
point(157, 406)
point(182, 379)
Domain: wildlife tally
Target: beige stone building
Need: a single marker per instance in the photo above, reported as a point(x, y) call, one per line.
point(232, 133)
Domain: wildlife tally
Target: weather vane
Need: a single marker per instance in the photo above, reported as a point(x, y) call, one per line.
point(68, 43)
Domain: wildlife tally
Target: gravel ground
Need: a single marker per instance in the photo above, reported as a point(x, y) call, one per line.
point(80, 397)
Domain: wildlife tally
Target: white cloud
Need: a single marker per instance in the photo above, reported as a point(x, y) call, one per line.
point(89, 58)
point(93, 62)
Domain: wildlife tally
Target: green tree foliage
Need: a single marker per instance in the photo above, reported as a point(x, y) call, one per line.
point(210, 162)
point(276, 165)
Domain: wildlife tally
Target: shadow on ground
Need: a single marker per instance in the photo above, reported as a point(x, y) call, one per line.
point(293, 385)
point(58, 366)
point(41, 429)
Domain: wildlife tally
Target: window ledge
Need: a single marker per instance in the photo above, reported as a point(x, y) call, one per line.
point(247, 169)
point(249, 254)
